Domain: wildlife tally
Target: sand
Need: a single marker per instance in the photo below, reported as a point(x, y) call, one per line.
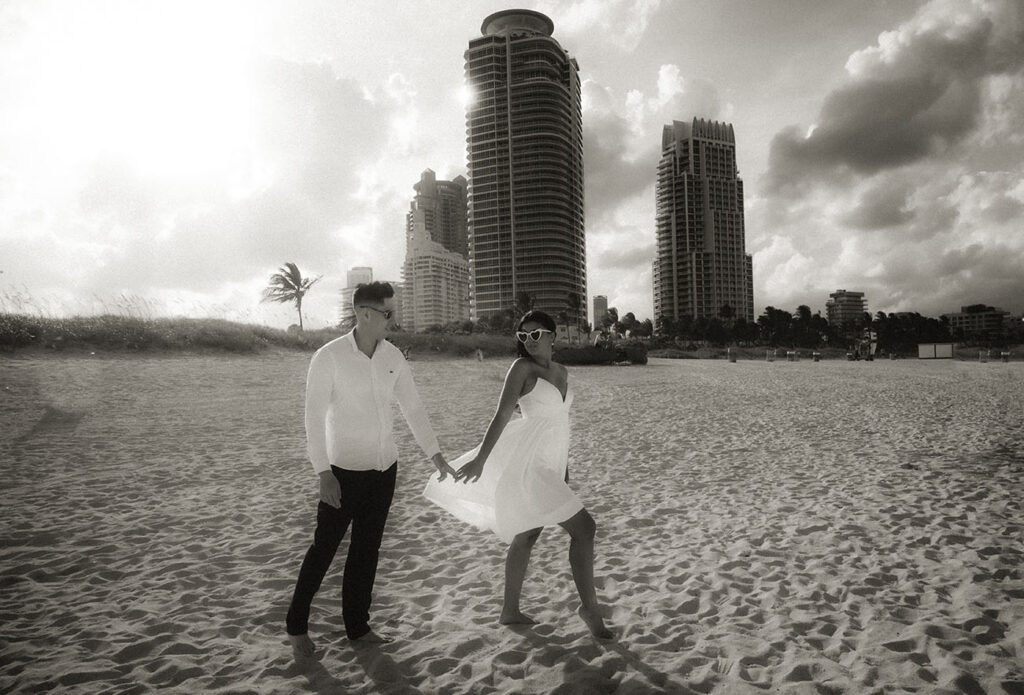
point(839, 527)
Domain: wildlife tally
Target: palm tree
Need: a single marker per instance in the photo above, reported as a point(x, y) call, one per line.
point(288, 285)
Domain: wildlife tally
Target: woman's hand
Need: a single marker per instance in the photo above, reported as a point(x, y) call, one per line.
point(470, 473)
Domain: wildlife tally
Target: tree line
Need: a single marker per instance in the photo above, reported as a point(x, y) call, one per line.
point(895, 333)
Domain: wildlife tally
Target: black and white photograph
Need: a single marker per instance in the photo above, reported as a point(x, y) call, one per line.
point(475, 348)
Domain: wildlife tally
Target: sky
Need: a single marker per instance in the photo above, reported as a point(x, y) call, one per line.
point(165, 158)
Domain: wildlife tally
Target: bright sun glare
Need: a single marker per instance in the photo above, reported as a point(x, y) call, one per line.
point(161, 87)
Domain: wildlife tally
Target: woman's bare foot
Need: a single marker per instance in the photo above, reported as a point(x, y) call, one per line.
point(516, 617)
point(372, 637)
point(302, 647)
point(595, 623)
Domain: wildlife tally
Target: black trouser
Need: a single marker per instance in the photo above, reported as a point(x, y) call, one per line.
point(365, 501)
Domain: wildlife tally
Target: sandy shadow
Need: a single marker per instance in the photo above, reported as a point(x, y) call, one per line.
point(53, 421)
point(656, 677)
point(319, 678)
point(383, 670)
point(545, 638)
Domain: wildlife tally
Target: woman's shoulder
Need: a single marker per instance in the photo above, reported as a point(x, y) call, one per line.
point(523, 366)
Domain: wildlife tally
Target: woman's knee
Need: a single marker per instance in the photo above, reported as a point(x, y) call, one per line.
point(582, 526)
point(526, 539)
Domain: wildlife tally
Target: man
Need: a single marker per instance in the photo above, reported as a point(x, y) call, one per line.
point(351, 383)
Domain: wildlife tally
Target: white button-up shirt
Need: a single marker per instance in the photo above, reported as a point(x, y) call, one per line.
point(349, 416)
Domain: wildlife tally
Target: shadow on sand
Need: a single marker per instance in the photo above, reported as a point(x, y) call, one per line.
point(539, 637)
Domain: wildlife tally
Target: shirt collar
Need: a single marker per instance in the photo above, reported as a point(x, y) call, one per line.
point(350, 337)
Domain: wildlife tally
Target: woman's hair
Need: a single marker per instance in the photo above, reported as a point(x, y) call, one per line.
point(536, 317)
point(372, 292)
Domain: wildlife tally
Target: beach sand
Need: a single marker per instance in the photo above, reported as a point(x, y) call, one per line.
point(839, 527)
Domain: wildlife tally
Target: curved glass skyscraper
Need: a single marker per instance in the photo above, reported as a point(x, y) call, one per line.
point(524, 131)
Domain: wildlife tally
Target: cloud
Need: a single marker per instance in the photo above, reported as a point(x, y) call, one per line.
point(629, 258)
point(910, 184)
point(918, 93)
point(621, 150)
point(881, 206)
point(622, 134)
point(620, 22)
point(284, 198)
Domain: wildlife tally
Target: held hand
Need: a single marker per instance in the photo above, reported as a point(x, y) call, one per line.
point(443, 469)
point(330, 489)
point(470, 473)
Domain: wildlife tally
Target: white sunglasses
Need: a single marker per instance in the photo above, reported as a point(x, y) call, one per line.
point(533, 335)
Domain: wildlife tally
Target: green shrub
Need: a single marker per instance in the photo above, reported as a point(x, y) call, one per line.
point(633, 353)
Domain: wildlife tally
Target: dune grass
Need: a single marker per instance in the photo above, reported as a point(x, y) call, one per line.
point(133, 334)
point(115, 333)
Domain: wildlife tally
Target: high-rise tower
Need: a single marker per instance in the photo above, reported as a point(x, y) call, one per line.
point(353, 278)
point(524, 132)
point(439, 209)
point(435, 275)
point(702, 264)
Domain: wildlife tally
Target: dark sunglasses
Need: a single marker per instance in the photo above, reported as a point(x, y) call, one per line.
point(387, 313)
point(533, 335)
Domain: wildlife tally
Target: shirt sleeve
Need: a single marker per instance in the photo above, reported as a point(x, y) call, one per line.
point(412, 409)
point(319, 383)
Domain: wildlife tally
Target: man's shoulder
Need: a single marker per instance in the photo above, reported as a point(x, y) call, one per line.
point(390, 350)
point(335, 348)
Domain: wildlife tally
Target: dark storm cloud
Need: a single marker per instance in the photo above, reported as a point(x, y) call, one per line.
point(909, 184)
point(975, 274)
point(915, 96)
point(877, 125)
point(881, 207)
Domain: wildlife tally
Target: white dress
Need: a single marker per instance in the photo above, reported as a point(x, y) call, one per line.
point(523, 482)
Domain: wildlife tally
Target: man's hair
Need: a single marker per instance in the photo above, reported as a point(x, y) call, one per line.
point(372, 293)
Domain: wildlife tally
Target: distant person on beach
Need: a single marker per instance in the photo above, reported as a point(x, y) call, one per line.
point(519, 474)
point(350, 388)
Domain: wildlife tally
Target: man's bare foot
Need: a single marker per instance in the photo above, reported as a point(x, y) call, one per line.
point(372, 637)
point(516, 617)
point(595, 623)
point(302, 647)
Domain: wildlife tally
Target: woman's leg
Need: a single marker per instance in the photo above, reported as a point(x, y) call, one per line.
point(516, 560)
point(582, 528)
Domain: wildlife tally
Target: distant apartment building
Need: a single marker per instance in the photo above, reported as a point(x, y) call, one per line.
point(600, 310)
point(846, 309)
point(979, 321)
point(524, 133)
point(353, 278)
point(702, 264)
point(398, 319)
point(435, 275)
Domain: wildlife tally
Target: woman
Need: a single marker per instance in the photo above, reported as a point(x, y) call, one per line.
point(518, 474)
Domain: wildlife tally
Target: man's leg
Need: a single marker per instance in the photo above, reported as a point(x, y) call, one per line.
point(331, 525)
point(368, 520)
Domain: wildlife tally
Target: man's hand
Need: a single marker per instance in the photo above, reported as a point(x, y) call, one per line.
point(443, 469)
point(330, 489)
point(470, 473)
